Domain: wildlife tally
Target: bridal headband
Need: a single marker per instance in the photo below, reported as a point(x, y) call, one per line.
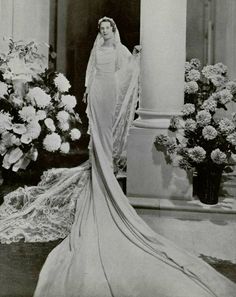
point(104, 19)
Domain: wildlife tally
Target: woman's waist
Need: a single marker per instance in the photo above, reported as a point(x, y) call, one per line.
point(107, 74)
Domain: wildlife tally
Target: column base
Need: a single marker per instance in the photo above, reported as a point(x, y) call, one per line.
point(148, 174)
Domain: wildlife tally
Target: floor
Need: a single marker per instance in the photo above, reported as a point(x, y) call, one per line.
point(20, 263)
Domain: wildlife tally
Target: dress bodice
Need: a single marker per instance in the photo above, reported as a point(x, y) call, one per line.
point(106, 60)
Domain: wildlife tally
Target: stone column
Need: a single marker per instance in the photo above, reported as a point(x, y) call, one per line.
point(163, 40)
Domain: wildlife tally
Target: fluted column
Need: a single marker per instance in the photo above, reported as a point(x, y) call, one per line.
point(163, 40)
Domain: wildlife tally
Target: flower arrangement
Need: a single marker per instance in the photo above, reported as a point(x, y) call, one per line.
point(207, 131)
point(36, 110)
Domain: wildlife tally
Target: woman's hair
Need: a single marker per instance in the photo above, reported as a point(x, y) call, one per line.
point(109, 20)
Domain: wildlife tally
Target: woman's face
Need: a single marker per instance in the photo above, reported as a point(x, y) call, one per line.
point(106, 30)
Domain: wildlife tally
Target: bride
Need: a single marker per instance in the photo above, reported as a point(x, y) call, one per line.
point(109, 251)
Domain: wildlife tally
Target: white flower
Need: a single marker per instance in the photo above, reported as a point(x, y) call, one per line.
point(3, 89)
point(195, 63)
point(209, 133)
point(218, 156)
point(187, 66)
point(64, 126)
point(62, 83)
point(3, 149)
point(52, 142)
point(33, 129)
point(7, 139)
point(42, 99)
point(50, 124)
point(15, 140)
point(63, 116)
point(193, 75)
point(41, 115)
point(75, 134)
point(190, 87)
point(221, 68)
point(225, 96)
point(231, 86)
point(65, 147)
point(5, 121)
point(203, 118)
point(226, 126)
point(197, 154)
point(208, 71)
point(188, 109)
point(190, 125)
point(231, 138)
point(19, 129)
point(68, 102)
point(217, 80)
point(26, 138)
point(209, 105)
point(27, 113)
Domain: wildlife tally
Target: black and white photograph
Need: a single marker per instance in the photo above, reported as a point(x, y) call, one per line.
point(117, 148)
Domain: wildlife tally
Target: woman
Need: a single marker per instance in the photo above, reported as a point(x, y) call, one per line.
point(110, 251)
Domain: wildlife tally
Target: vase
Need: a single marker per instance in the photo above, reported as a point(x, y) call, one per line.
point(207, 184)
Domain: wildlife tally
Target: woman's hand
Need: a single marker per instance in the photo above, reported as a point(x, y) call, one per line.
point(137, 50)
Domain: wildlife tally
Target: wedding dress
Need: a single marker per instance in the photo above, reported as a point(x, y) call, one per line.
point(109, 251)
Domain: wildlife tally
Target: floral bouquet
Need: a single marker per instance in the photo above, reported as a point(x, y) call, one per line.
point(207, 131)
point(36, 110)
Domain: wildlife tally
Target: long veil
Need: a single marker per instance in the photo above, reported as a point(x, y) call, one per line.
point(46, 212)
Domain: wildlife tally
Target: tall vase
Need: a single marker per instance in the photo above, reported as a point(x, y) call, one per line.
point(208, 184)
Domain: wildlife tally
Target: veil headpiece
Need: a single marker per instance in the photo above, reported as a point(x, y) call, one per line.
point(99, 39)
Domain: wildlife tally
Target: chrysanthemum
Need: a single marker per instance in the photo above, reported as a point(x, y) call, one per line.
point(68, 102)
point(33, 129)
point(65, 147)
point(231, 86)
point(52, 142)
point(226, 126)
point(190, 87)
point(210, 71)
point(62, 83)
point(64, 126)
point(27, 113)
point(75, 134)
point(5, 121)
point(42, 99)
point(193, 75)
point(63, 116)
point(190, 125)
point(197, 154)
point(209, 132)
point(203, 118)
point(188, 109)
point(225, 96)
point(218, 156)
point(209, 105)
point(231, 138)
point(217, 80)
point(3, 89)
point(195, 63)
point(41, 115)
point(221, 68)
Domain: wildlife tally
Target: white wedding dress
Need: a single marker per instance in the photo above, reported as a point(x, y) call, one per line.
point(108, 250)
